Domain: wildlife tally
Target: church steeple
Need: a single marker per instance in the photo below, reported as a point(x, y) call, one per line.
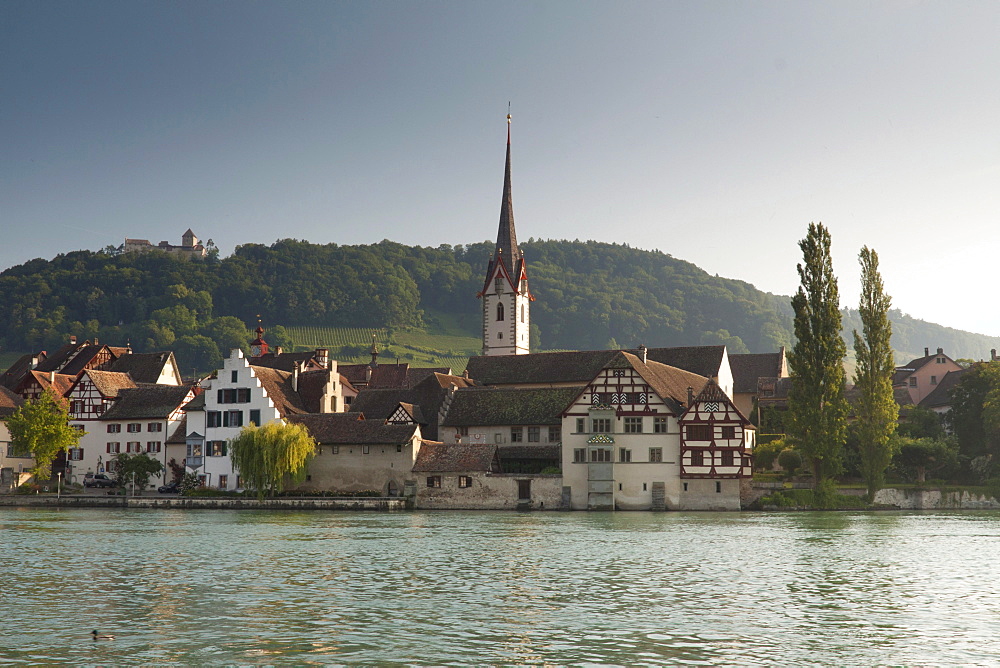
point(505, 291)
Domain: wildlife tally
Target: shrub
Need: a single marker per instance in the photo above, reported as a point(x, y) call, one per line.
point(790, 460)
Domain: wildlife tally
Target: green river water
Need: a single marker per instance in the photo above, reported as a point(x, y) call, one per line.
point(190, 587)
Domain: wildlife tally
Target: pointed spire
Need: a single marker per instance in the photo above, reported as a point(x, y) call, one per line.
point(507, 249)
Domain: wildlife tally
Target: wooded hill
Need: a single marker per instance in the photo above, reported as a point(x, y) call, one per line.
point(590, 295)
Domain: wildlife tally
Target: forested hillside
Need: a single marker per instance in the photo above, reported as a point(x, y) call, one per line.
point(588, 295)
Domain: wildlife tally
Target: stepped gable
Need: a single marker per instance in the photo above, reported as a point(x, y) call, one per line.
point(9, 402)
point(147, 402)
point(670, 383)
point(480, 406)
point(110, 383)
point(941, 395)
point(13, 376)
point(748, 368)
point(441, 458)
point(144, 367)
point(278, 385)
point(352, 429)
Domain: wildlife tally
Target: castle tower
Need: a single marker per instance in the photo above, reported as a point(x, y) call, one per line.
point(505, 292)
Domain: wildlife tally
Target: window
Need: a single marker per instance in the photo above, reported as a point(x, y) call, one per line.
point(433, 481)
point(114, 428)
point(516, 434)
point(464, 481)
point(366, 449)
point(656, 455)
point(624, 455)
point(224, 479)
point(581, 425)
point(234, 395)
point(109, 466)
point(76, 406)
point(728, 431)
point(133, 446)
point(499, 312)
point(216, 448)
point(194, 450)
point(940, 360)
point(699, 432)
point(718, 487)
point(114, 448)
point(579, 455)
point(153, 446)
point(659, 425)
point(534, 434)
point(633, 425)
point(555, 434)
point(399, 447)
point(913, 381)
point(522, 312)
point(255, 415)
point(335, 450)
point(76, 454)
point(933, 380)
point(602, 425)
point(78, 427)
point(685, 487)
point(154, 426)
point(697, 458)
point(498, 284)
point(235, 376)
point(600, 455)
point(232, 419)
point(213, 419)
point(134, 428)
point(727, 457)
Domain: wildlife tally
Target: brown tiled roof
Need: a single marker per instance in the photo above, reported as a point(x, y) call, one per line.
point(415, 375)
point(311, 387)
point(389, 376)
point(13, 376)
point(282, 362)
point(9, 402)
point(348, 429)
point(278, 385)
point(414, 412)
point(380, 404)
point(442, 458)
point(147, 402)
point(712, 392)
point(144, 367)
point(581, 367)
point(109, 383)
point(670, 383)
point(61, 385)
point(57, 360)
point(179, 434)
point(747, 368)
point(196, 404)
point(941, 395)
point(548, 452)
point(487, 406)
point(773, 390)
point(83, 359)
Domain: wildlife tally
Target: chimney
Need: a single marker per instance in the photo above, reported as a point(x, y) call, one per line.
point(940, 351)
point(927, 352)
point(690, 396)
point(52, 376)
point(368, 374)
point(642, 353)
point(465, 374)
point(323, 357)
point(295, 377)
point(34, 361)
point(277, 350)
point(72, 340)
point(993, 355)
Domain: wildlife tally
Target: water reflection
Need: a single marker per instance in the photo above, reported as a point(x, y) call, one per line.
point(259, 587)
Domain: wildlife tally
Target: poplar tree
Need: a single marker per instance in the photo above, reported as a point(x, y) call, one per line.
point(876, 409)
point(265, 455)
point(817, 409)
point(41, 428)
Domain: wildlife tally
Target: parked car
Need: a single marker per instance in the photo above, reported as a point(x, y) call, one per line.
point(97, 480)
point(169, 488)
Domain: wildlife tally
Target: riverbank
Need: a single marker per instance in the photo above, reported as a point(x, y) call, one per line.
point(209, 503)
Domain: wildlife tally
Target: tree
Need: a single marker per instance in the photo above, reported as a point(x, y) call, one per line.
point(265, 455)
point(141, 466)
point(41, 428)
point(876, 408)
point(817, 409)
point(920, 456)
point(919, 422)
point(974, 416)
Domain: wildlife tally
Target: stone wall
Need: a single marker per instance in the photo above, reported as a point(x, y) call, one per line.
point(216, 503)
point(934, 499)
point(490, 492)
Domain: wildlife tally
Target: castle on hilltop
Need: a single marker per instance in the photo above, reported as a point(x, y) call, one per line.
point(191, 246)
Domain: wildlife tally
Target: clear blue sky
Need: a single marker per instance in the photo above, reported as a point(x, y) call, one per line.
point(713, 131)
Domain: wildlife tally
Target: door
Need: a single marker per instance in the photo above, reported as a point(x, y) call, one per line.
point(524, 490)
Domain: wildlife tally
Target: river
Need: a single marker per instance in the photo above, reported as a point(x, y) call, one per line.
point(190, 587)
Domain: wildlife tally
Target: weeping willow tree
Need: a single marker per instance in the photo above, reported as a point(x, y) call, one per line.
point(268, 456)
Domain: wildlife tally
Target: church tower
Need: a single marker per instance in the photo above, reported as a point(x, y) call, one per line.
point(505, 292)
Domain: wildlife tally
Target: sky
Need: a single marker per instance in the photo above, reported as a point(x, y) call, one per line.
point(712, 131)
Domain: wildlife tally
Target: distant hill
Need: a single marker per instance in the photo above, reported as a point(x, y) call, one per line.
point(589, 295)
